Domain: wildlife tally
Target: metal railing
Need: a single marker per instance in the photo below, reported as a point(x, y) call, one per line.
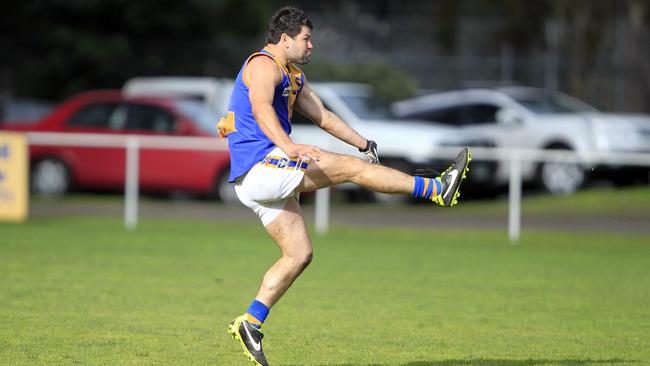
point(133, 143)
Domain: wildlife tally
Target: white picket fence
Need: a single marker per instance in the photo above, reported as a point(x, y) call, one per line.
point(132, 144)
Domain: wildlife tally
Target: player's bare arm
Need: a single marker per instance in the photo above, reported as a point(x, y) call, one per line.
point(263, 76)
point(310, 105)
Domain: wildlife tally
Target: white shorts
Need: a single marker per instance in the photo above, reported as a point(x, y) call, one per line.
point(269, 185)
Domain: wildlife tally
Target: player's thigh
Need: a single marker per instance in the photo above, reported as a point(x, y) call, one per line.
point(288, 230)
point(330, 170)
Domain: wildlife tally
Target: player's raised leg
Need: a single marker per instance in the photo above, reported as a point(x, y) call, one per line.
point(334, 169)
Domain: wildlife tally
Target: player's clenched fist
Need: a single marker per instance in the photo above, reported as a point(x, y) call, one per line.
point(371, 152)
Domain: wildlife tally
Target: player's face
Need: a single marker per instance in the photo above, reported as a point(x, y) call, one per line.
point(299, 50)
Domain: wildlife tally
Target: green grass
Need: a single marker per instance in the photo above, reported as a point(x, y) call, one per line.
point(82, 291)
point(595, 201)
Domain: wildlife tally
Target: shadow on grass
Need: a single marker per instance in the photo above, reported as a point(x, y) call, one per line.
point(503, 362)
point(529, 362)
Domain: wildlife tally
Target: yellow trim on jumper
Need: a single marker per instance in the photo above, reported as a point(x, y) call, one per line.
point(293, 73)
point(243, 76)
point(226, 125)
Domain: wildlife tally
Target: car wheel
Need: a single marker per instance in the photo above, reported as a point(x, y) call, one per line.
point(50, 177)
point(560, 178)
point(225, 191)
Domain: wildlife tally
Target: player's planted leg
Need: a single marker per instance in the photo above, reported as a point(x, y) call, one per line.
point(288, 230)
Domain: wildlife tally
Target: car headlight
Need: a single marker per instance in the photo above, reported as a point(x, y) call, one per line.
point(612, 134)
point(601, 130)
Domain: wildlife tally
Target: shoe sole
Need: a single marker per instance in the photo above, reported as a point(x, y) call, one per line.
point(454, 200)
point(233, 330)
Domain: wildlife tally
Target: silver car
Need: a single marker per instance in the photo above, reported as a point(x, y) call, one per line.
point(522, 117)
point(403, 144)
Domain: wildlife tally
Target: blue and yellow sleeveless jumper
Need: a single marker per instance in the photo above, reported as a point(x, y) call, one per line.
point(248, 144)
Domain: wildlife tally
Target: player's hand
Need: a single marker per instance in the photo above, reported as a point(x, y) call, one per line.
point(371, 152)
point(303, 152)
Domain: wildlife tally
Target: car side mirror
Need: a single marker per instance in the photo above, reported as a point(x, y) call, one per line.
point(508, 116)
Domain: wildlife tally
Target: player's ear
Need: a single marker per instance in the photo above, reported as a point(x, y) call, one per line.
point(284, 40)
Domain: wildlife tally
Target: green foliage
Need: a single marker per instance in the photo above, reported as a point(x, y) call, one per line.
point(446, 21)
point(62, 47)
point(389, 82)
point(84, 291)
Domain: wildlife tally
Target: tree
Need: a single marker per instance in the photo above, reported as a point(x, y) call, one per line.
point(62, 47)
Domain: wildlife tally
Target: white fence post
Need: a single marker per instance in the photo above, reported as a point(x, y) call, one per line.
point(131, 183)
point(322, 210)
point(514, 198)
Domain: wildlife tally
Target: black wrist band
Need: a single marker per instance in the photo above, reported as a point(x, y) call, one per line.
point(367, 147)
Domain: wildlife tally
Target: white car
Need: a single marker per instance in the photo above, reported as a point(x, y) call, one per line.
point(522, 117)
point(212, 93)
point(403, 144)
point(400, 142)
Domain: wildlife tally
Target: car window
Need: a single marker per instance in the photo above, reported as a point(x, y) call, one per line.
point(469, 114)
point(149, 118)
point(204, 118)
point(449, 116)
point(546, 102)
point(474, 114)
point(367, 106)
point(93, 115)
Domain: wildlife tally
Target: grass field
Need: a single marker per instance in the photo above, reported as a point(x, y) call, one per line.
point(82, 291)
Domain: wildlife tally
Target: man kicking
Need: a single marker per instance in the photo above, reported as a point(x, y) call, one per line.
point(270, 171)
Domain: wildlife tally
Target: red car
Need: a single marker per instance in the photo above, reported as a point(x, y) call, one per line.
point(57, 169)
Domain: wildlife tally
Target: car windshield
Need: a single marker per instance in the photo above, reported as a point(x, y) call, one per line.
point(552, 103)
point(367, 106)
point(202, 116)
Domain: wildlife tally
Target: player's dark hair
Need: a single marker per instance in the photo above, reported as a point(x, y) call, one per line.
point(287, 20)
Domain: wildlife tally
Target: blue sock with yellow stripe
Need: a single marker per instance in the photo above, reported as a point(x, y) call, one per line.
point(257, 313)
point(426, 187)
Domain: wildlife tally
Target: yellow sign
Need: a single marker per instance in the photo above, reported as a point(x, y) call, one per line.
point(14, 186)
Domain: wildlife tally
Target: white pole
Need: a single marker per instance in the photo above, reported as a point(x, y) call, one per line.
point(514, 211)
point(322, 210)
point(131, 183)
